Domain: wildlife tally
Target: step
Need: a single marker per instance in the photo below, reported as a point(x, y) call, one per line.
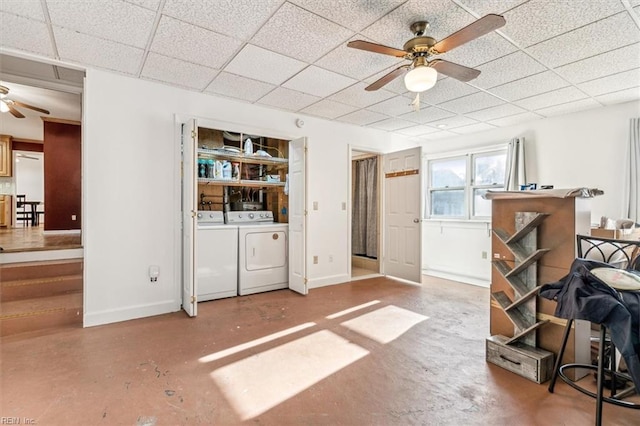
point(40, 313)
point(40, 287)
point(43, 269)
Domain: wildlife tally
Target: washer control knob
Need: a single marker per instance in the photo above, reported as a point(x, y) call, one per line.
point(199, 215)
point(251, 215)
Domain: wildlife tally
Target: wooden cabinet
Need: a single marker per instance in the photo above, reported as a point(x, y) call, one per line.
point(5, 155)
point(5, 210)
point(561, 217)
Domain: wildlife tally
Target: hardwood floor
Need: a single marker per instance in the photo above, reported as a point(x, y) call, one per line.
point(33, 238)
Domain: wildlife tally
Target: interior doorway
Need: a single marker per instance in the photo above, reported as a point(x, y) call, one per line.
point(366, 214)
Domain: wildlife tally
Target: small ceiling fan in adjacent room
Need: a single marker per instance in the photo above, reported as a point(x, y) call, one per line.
point(9, 105)
point(422, 73)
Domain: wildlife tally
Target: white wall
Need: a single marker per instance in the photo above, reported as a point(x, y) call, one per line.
point(131, 194)
point(29, 175)
point(584, 149)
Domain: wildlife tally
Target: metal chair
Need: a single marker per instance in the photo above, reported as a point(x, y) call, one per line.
point(23, 210)
point(624, 254)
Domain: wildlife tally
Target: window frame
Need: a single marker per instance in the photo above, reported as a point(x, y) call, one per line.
point(469, 187)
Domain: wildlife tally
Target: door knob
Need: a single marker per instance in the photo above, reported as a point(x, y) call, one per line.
point(416, 220)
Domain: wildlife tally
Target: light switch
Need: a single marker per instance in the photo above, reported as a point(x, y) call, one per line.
point(315, 205)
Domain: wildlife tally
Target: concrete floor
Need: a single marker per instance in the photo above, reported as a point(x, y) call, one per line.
point(407, 355)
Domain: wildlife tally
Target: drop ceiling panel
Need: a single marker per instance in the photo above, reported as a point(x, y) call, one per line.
point(569, 107)
point(453, 122)
point(515, 119)
point(627, 95)
point(239, 87)
point(475, 102)
point(529, 86)
point(177, 72)
point(237, 18)
point(612, 83)
point(417, 130)
point(353, 15)
point(295, 32)
point(599, 37)
point(553, 18)
point(442, 134)
point(288, 99)
point(362, 117)
point(273, 68)
point(473, 128)
point(319, 82)
point(484, 7)
point(608, 63)
point(149, 4)
point(329, 109)
point(193, 44)
point(495, 112)
point(446, 89)
point(84, 49)
point(21, 33)
point(356, 95)
point(31, 9)
point(395, 106)
point(357, 63)
point(391, 124)
point(427, 115)
point(548, 99)
point(508, 68)
point(117, 21)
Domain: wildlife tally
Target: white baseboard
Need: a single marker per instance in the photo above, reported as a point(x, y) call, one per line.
point(325, 281)
point(42, 255)
point(457, 277)
point(92, 319)
point(63, 232)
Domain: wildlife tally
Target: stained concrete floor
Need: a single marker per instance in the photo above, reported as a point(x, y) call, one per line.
point(407, 355)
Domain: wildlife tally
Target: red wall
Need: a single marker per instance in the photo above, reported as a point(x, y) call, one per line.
point(62, 185)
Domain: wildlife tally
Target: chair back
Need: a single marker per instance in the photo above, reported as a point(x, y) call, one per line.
point(20, 199)
point(623, 254)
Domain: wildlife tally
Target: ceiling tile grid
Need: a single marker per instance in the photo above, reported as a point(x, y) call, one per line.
point(552, 56)
point(238, 87)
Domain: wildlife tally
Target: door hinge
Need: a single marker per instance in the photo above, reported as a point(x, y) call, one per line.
point(305, 212)
point(193, 134)
point(305, 281)
point(193, 214)
point(193, 299)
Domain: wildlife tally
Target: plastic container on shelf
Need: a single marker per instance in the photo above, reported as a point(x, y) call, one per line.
point(210, 168)
point(202, 168)
point(226, 170)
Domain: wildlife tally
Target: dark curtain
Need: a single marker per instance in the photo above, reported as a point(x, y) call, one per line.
point(364, 229)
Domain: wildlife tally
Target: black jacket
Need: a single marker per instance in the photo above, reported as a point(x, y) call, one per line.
point(581, 295)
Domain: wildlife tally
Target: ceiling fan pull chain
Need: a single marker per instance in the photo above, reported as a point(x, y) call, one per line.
point(416, 102)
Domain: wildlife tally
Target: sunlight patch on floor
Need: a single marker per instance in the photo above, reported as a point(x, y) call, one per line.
point(262, 381)
point(385, 324)
point(355, 308)
point(239, 348)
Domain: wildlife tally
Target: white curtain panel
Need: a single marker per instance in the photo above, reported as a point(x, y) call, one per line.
point(516, 173)
point(631, 206)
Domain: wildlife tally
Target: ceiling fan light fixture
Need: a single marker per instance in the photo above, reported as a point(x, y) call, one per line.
point(3, 106)
point(420, 78)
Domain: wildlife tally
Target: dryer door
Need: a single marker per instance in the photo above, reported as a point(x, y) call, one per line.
point(265, 250)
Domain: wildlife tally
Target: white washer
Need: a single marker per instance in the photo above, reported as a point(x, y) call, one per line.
point(217, 257)
point(262, 252)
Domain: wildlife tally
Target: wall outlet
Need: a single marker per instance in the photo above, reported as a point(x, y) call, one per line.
point(73, 217)
point(344, 205)
point(330, 258)
point(315, 260)
point(154, 273)
point(315, 205)
point(484, 254)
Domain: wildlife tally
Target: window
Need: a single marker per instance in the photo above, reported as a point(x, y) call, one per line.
point(456, 184)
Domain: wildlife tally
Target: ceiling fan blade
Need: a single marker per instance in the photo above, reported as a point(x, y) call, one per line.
point(376, 48)
point(35, 108)
point(387, 78)
point(459, 72)
point(482, 26)
point(13, 111)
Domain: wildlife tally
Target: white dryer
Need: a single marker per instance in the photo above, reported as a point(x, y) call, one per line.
point(262, 251)
point(217, 257)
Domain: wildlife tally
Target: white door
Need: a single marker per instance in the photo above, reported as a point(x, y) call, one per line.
point(297, 216)
point(189, 203)
point(402, 215)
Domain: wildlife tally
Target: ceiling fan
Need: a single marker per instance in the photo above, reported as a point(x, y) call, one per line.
point(421, 74)
point(9, 105)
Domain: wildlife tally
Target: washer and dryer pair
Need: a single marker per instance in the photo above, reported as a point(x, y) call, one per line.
point(247, 254)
